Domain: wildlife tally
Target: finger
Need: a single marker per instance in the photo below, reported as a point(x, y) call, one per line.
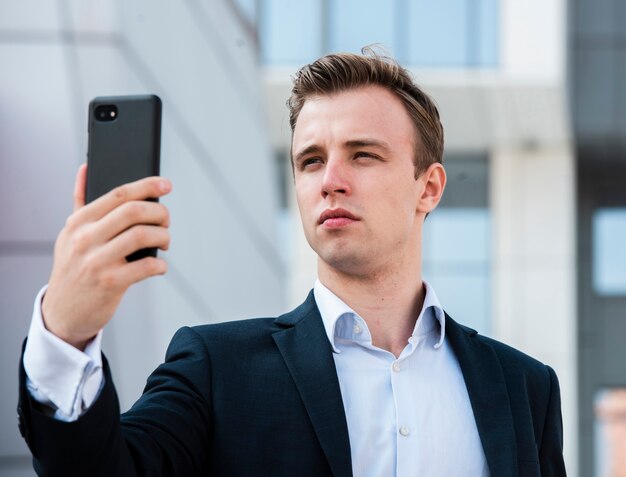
point(128, 215)
point(147, 188)
point(79, 187)
point(134, 272)
point(133, 239)
point(123, 276)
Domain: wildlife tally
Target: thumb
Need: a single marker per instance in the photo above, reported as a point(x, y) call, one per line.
point(79, 187)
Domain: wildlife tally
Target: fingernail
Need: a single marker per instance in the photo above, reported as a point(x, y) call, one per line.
point(165, 186)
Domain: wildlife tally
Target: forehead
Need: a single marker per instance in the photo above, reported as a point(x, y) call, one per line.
point(368, 112)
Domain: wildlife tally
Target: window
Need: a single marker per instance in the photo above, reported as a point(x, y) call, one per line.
point(452, 33)
point(290, 32)
point(445, 33)
point(457, 244)
point(609, 251)
point(354, 24)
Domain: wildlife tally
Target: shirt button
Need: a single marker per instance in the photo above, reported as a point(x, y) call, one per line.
point(395, 366)
point(357, 330)
point(404, 431)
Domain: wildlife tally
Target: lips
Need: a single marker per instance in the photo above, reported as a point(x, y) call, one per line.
point(337, 217)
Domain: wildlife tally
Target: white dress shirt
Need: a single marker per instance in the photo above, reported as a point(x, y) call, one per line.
point(406, 417)
point(64, 378)
point(409, 416)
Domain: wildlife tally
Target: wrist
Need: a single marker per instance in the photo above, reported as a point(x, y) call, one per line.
point(77, 340)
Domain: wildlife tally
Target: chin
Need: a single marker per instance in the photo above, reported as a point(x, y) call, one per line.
point(349, 262)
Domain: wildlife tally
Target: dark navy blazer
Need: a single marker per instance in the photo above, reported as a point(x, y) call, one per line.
point(261, 397)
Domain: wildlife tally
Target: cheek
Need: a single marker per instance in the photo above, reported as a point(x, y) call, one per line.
point(397, 207)
point(305, 200)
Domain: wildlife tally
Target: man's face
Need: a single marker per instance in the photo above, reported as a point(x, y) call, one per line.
point(355, 180)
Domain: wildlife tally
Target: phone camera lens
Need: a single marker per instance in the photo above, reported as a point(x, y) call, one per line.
point(107, 112)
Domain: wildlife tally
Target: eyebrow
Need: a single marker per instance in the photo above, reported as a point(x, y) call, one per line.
point(355, 143)
point(313, 148)
point(352, 144)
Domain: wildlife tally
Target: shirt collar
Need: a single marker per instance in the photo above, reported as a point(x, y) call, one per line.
point(332, 308)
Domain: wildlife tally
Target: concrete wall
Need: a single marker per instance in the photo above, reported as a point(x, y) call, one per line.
point(534, 266)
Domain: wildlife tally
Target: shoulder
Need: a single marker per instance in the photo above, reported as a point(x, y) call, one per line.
point(516, 365)
point(230, 333)
point(237, 327)
point(250, 331)
point(510, 356)
point(244, 335)
point(519, 367)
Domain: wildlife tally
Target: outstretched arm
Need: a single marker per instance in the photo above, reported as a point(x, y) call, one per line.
point(166, 433)
point(90, 273)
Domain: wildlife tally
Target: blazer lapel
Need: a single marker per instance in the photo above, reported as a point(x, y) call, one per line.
point(305, 348)
point(489, 398)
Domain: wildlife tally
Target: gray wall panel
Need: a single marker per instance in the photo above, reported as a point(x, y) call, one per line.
point(21, 279)
point(28, 15)
point(595, 80)
point(36, 146)
point(224, 261)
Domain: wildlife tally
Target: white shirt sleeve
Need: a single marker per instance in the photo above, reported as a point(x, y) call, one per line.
point(59, 375)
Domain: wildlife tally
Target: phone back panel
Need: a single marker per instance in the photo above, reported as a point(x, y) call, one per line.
point(126, 148)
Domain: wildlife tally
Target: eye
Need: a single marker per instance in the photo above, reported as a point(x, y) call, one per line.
point(309, 162)
point(365, 154)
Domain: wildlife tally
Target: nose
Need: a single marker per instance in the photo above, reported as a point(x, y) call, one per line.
point(335, 179)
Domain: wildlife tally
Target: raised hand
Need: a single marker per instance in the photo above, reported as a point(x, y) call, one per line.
point(90, 273)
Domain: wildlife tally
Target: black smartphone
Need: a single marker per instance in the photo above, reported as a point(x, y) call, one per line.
point(124, 145)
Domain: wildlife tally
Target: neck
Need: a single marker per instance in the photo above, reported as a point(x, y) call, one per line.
point(389, 302)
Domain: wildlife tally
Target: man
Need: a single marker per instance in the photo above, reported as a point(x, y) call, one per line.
point(367, 377)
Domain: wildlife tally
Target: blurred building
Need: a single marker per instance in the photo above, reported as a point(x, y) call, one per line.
point(597, 73)
point(501, 248)
point(527, 245)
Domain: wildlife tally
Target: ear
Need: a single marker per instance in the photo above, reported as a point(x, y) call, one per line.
point(432, 183)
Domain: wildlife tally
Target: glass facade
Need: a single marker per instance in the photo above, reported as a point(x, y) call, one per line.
point(290, 32)
point(457, 244)
point(452, 33)
point(421, 33)
point(353, 24)
point(609, 251)
point(457, 263)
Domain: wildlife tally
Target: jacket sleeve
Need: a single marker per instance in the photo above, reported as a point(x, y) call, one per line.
point(166, 432)
point(551, 449)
